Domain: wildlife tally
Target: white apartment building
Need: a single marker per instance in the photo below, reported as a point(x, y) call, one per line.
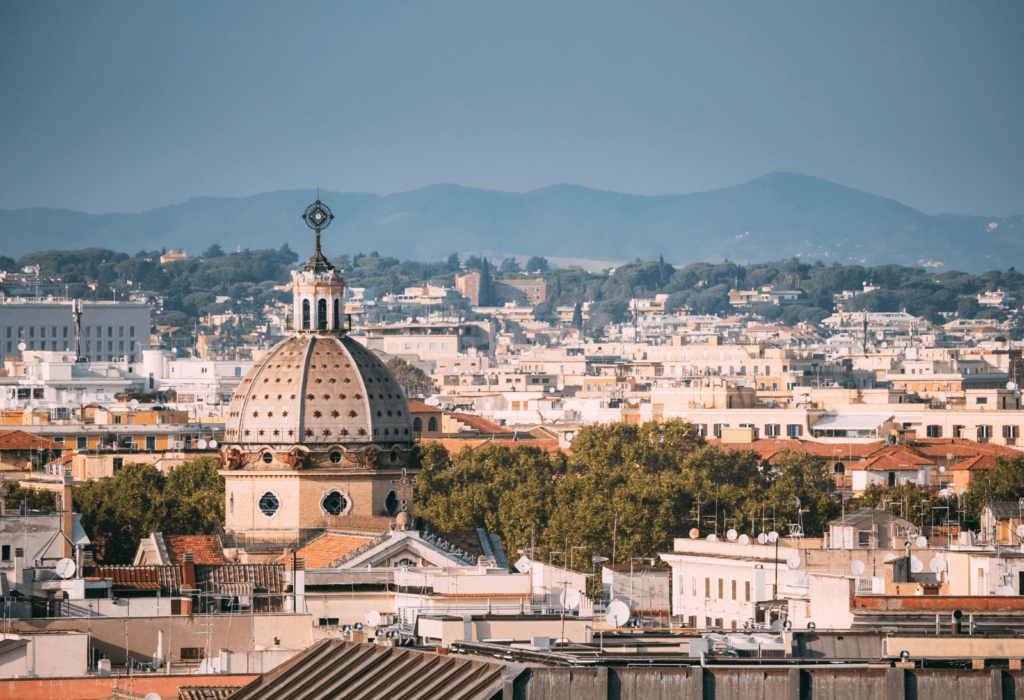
point(111, 330)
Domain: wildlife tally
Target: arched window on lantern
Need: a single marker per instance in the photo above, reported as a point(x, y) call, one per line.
point(321, 315)
point(337, 314)
point(305, 314)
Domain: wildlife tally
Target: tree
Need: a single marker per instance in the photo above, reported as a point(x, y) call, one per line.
point(287, 256)
point(967, 307)
point(411, 378)
point(194, 498)
point(8, 264)
point(452, 263)
point(509, 266)
point(214, 251)
point(486, 291)
point(577, 317)
point(537, 264)
point(117, 512)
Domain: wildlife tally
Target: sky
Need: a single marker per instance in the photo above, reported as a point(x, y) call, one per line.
point(126, 106)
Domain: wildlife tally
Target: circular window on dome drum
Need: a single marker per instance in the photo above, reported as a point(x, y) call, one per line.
point(335, 457)
point(391, 504)
point(334, 503)
point(269, 504)
point(268, 457)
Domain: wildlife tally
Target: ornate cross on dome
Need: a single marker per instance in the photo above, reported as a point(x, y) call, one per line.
point(318, 217)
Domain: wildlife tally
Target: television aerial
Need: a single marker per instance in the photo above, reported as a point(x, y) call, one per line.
point(617, 614)
point(570, 599)
point(857, 567)
point(66, 568)
point(949, 455)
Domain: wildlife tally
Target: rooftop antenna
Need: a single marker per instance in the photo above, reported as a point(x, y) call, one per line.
point(76, 314)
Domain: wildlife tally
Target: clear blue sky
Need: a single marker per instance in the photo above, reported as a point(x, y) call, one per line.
point(125, 106)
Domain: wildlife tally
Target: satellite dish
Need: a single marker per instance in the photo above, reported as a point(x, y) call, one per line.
point(66, 568)
point(773, 536)
point(949, 455)
point(618, 614)
point(916, 565)
point(961, 492)
point(1011, 386)
point(1020, 531)
point(1005, 590)
point(731, 535)
point(134, 403)
point(857, 567)
point(694, 533)
point(793, 561)
point(372, 618)
point(888, 558)
point(937, 565)
point(213, 444)
point(524, 565)
point(777, 626)
point(22, 346)
point(570, 599)
point(762, 538)
point(921, 542)
point(942, 470)
point(744, 539)
point(152, 696)
point(201, 444)
point(712, 537)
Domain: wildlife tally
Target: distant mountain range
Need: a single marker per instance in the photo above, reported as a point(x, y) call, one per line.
point(776, 216)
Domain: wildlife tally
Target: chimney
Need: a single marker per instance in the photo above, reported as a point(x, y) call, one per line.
point(188, 570)
point(67, 517)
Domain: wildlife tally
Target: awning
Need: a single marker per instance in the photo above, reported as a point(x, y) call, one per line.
point(236, 589)
point(852, 421)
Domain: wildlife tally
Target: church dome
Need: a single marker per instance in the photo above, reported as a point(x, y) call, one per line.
point(319, 391)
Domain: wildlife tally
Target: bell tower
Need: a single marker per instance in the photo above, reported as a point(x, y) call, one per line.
point(318, 290)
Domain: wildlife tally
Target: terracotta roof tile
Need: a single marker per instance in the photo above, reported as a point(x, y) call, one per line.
point(21, 440)
point(205, 549)
point(325, 549)
point(480, 424)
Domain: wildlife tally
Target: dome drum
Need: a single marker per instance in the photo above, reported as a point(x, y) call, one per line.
point(332, 457)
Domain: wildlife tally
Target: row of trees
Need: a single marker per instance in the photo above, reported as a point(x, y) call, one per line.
point(119, 511)
point(626, 491)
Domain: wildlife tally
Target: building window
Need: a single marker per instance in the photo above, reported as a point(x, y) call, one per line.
point(771, 430)
point(391, 504)
point(321, 315)
point(151, 442)
point(337, 314)
point(839, 468)
point(432, 424)
point(734, 590)
point(305, 314)
point(934, 431)
point(5, 553)
point(269, 504)
point(693, 582)
point(417, 425)
point(721, 589)
point(118, 463)
point(746, 591)
point(707, 587)
point(1010, 431)
point(863, 539)
point(795, 430)
point(984, 431)
point(334, 503)
point(82, 443)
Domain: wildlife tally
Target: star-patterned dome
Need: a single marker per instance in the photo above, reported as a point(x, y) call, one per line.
point(319, 391)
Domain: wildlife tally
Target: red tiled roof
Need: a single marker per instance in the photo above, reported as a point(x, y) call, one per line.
point(454, 445)
point(21, 440)
point(886, 463)
point(959, 447)
point(138, 577)
point(325, 549)
point(419, 407)
point(205, 549)
point(480, 424)
point(976, 463)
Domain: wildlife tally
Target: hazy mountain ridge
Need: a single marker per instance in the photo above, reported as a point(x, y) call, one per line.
point(775, 216)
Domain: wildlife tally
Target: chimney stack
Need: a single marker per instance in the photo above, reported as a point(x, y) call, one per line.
point(66, 516)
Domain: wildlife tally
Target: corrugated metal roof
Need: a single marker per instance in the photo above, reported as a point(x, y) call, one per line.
point(268, 576)
point(337, 670)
